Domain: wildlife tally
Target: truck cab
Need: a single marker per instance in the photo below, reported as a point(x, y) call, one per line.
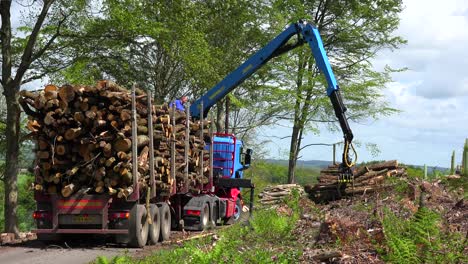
point(229, 158)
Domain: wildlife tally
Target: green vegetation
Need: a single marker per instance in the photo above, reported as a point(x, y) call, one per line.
point(420, 239)
point(267, 238)
point(26, 204)
point(264, 173)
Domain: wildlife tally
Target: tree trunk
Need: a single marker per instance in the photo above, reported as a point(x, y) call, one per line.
point(296, 133)
point(293, 149)
point(12, 159)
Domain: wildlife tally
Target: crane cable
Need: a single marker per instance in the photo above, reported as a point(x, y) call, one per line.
point(346, 151)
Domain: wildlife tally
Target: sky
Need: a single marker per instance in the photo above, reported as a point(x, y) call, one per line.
point(432, 94)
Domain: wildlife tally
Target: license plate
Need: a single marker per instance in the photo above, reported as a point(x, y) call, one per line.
point(80, 219)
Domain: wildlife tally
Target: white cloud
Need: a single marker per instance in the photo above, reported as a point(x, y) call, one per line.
point(436, 51)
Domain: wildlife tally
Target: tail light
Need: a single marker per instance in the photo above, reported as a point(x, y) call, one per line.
point(119, 215)
point(192, 212)
point(42, 215)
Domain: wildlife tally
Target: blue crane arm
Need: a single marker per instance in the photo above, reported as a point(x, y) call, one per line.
point(236, 77)
point(306, 33)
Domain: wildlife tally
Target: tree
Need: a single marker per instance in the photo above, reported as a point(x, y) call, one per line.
point(26, 57)
point(171, 48)
point(353, 32)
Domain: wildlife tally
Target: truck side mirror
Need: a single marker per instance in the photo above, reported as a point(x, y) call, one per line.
point(247, 158)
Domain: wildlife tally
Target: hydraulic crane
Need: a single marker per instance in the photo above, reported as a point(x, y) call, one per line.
point(307, 33)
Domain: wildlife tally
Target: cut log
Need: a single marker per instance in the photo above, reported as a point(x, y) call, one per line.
point(72, 133)
point(391, 164)
point(61, 149)
point(371, 174)
point(143, 140)
point(68, 190)
point(42, 154)
point(360, 171)
point(66, 93)
point(123, 145)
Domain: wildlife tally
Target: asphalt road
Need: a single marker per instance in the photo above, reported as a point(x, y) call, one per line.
point(71, 252)
point(83, 249)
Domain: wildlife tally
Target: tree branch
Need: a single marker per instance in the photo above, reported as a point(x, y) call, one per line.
point(28, 51)
point(51, 40)
point(318, 144)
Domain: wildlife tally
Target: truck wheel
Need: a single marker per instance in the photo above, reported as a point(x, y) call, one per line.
point(237, 213)
point(138, 226)
point(165, 216)
point(205, 217)
point(155, 227)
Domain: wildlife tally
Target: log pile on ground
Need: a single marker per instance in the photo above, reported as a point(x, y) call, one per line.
point(10, 238)
point(367, 179)
point(84, 140)
point(277, 193)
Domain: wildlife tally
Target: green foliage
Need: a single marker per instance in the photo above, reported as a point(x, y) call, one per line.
point(265, 173)
point(26, 203)
point(414, 172)
point(419, 239)
point(272, 226)
point(114, 260)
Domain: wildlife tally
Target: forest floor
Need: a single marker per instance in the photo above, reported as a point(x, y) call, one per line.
point(426, 221)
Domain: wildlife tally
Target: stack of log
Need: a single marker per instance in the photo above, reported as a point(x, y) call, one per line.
point(84, 140)
point(366, 179)
point(277, 193)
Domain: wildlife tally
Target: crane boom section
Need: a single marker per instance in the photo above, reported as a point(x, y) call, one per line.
point(236, 77)
point(275, 47)
point(306, 33)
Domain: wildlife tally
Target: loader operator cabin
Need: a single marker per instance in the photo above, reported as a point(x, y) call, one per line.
point(109, 161)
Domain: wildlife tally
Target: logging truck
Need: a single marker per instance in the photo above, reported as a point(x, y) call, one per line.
point(144, 211)
point(186, 193)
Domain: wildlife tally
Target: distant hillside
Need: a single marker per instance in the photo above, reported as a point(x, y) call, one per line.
point(303, 163)
point(324, 164)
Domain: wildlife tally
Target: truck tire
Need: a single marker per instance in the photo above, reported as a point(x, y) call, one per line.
point(138, 226)
point(205, 217)
point(165, 216)
point(237, 213)
point(155, 227)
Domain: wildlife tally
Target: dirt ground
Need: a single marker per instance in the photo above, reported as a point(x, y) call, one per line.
point(348, 230)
